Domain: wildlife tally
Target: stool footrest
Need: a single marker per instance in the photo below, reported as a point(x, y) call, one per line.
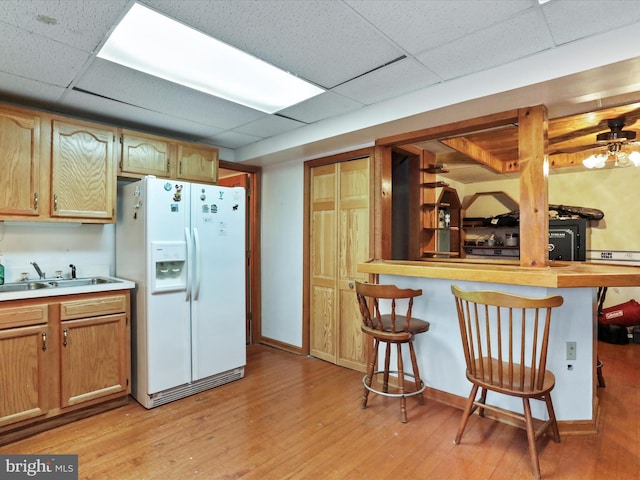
point(394, 395)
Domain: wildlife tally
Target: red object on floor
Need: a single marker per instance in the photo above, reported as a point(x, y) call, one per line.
point(626, 314)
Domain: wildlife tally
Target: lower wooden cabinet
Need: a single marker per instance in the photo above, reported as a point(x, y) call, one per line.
point(59, 355)
point(94, 355)
point(24, 371)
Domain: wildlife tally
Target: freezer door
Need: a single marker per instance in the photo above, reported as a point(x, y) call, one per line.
point(168, 327)
point(218, 306)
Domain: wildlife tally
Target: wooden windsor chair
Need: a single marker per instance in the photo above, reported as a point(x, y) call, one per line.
point(390, 328)
point(505, 339)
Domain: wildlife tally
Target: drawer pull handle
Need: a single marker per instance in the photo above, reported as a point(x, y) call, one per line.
point(65, 333)
point(35, 201)
point(44, 341)
point(55, 202)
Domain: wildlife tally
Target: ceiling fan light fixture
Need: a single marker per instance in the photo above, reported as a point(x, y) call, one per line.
point(634, 158)
point(596, 161)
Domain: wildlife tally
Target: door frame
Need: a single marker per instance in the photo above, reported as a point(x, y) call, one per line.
point(253, 245)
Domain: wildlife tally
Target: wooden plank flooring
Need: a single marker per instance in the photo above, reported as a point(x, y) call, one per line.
point(293, 417)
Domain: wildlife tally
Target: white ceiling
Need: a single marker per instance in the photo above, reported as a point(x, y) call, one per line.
point(384, 64)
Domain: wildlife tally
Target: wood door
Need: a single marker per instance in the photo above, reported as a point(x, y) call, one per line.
point(83, 172)
point(24, 373)
point(93, 358)
point(145, 155)
point(197, 163)
point(19, 163)
point(339, 221)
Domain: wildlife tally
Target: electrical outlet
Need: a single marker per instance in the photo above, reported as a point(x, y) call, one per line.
point(571, 350)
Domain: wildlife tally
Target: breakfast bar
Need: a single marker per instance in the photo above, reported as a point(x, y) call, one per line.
point(440, 357)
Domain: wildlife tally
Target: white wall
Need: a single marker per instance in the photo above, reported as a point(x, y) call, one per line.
point(282, 221)
point(91, 248)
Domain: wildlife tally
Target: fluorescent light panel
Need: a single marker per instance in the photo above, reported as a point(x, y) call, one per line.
point(152, 43)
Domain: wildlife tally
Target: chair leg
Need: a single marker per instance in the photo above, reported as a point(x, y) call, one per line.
point(552, 417)
point(531, 436)
point(466, 414)
point(371, 366)
point(483, 400)
point(416, 372)
point(387, 360)
point(401, 390)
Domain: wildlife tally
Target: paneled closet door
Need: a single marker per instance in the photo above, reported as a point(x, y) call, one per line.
point(340, 200)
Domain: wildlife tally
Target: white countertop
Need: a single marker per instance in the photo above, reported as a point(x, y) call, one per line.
point(118, 284)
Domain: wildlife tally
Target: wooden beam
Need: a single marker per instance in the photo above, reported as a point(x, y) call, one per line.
point(534, 186)
point(451, 129)
point(471, 150)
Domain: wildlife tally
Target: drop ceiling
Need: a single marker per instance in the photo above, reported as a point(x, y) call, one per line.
point(370, 56)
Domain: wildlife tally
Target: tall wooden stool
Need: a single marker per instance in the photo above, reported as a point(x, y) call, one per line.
point(390, 328)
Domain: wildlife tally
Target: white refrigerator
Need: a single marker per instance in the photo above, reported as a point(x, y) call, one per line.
point(184, 246)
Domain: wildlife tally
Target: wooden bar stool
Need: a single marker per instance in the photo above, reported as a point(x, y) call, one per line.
point(390, 328)
point(505, 340)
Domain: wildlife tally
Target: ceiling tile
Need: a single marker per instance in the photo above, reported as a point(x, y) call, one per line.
point(393, 80)
point(573, 19)
point(35, 57)
point(418, 25)
point(231, 139)
point(321, 106)
point(325, 42)
point(15, 87)
point(130, 116)
point(516, 38)
point(80, 24)
point(126, 85)
point(269, 126)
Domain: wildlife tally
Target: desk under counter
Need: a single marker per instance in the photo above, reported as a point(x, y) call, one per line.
point(439, 351)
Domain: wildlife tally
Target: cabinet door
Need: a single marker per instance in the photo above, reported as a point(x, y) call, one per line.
point(83, 172)
point(19, 163)
point(24, 361)
point(93, 358)
point(197, 163)
point(145, 155)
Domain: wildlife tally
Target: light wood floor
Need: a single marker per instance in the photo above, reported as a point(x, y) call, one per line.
point(299, 418)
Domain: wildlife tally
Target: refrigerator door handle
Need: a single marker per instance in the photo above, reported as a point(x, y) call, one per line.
point(196, 264)
point(187, 236)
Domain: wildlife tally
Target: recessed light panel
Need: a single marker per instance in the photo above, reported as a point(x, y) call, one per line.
point(157, 45)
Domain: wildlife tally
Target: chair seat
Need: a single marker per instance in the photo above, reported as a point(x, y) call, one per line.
point(416, 325)
point(502, 385)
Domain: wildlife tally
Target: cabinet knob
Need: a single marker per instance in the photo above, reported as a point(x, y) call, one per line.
point(351, 285)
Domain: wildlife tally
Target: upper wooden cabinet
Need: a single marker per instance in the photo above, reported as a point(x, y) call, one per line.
point(197, 163)
point(145, 154)
point(83, 171)
point(19, 163)
point(55, 169)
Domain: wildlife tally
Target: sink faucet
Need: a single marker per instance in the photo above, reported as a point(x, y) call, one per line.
point(40, 274)
point(73, 270)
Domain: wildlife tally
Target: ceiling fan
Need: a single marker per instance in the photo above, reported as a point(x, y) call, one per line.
point(615, 144)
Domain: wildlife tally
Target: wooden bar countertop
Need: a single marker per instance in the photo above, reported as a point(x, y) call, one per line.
point(556, 275)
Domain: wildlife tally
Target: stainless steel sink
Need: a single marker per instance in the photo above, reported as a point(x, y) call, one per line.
point(79, 282)
point(21, 287)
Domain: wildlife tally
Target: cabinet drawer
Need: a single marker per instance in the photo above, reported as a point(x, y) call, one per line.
point(93, 307)
point(12, 317)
